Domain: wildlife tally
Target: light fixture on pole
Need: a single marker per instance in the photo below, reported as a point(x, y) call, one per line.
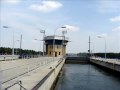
point(20, 44)
point(13, 41)
point(1, 34)
point(105, 44)
point(63, 35)
point(13, 45)
point(43, 31)
point(40, 46)
point(54, 41)
point(16, 48)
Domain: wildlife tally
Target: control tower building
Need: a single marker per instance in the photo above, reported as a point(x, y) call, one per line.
point(55, 45)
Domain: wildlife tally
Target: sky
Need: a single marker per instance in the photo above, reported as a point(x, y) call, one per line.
point(82, 18)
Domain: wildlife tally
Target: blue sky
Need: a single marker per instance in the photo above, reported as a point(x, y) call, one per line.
point(81, 17)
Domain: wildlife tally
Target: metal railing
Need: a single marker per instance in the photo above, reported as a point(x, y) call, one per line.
point(31, 64)
point(18, 83)
point(8, 57)
point(48, 76)
point(115, 61)
point(16, 57)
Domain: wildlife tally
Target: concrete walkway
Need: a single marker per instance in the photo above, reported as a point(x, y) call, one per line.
point(29, 79)
point(111, 64)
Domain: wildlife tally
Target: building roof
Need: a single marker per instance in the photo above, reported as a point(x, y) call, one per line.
point(56, 38)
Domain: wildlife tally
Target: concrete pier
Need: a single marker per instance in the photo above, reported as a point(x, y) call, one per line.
point(32, 74)
point(112, 64)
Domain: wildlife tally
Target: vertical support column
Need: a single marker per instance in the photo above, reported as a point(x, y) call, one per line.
point(89, 46)
point(20, 44)
point(0, 77)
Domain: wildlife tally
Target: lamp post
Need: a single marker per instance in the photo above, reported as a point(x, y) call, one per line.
point(16, 49)
point(39, 41)
point(13, 42)
point(54, 42)
point(92, 51)
point(1, 34)
point(43, 31)
point(13, 45)
point(20, 44)
point(0, 37)
point(89, 47)
point(105, 44)
point(63, 35)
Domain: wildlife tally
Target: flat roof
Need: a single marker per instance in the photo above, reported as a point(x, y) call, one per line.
point(56, 37)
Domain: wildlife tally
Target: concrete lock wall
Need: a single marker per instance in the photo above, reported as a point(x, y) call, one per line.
point(112, 66)
point(50, 80)
point(77, 60)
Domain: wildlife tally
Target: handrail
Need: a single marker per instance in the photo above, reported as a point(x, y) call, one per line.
point(26, 71)
point(46, 77)
point(17, 66)
point(19, 83)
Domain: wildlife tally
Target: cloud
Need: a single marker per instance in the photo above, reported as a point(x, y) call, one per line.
point(72, 28)
point(117, 29)
point(46, 6)
point(115, 19)
point(108, 6)
point(12, 1)
point(102, 35)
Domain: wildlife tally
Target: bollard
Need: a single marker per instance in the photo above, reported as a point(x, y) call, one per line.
point(20, 85)
point(28, 69)
point(54, 72)
point(4, 58)
point(113, 66)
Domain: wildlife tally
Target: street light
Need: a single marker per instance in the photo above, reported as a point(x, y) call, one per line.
point(63, 35)
point(13, 44)
point(105, 44)
point(16, 48)
point(92, 51)
point(43, 31)
point(63, 32)
point(1, 34)
point(13, 41)
point(38, 40)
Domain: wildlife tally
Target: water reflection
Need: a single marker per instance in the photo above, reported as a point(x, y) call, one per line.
point(87, 77)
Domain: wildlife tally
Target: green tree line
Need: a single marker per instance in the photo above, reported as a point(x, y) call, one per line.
point(102, 55)
point(17, 51)
point(108, 55)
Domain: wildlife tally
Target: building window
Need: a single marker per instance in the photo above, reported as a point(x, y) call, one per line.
point(59, 53)
point(50, 46)
point(57, 46)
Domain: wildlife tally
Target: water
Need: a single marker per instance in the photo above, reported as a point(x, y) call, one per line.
point(87, 77)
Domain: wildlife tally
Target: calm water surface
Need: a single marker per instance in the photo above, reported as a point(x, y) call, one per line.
point(87, 77)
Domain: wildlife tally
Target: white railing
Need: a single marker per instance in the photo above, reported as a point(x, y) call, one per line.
point(115, 61)
point(8, 57)
point(24, 68)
